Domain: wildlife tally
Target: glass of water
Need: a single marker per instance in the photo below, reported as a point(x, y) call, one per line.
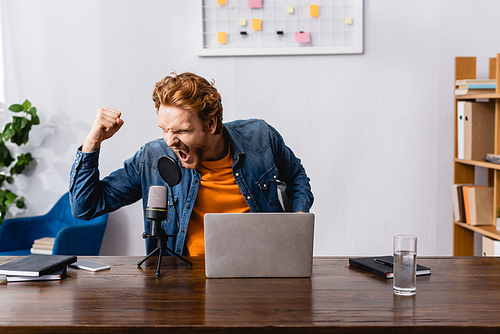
point(405, 265)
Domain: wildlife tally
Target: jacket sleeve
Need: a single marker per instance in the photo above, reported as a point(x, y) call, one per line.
point(91, 197)
point(291, 171)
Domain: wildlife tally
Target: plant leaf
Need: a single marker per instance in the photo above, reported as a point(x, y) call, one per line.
point(22, 127)
point(22, 162)
point(34, 117)
point(16, 108)
point(26, 105)
point(5, 156)
point(32, 111)
point(7, 197)
point(8, 132)
point(35, 120)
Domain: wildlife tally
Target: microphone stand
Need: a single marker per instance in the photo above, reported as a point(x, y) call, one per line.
point(161, 245)
point(158, 233)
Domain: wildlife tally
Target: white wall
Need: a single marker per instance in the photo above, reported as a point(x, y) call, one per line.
point(374, 131)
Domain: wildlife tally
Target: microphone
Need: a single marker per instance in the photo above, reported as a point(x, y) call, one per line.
point(156, 208)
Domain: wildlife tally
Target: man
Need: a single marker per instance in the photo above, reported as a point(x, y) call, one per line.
point(231, 167)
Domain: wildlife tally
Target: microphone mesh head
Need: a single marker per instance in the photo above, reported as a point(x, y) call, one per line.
point(157, 197)
point(169, 170)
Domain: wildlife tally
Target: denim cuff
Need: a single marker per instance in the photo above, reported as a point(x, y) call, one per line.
point(87, 160)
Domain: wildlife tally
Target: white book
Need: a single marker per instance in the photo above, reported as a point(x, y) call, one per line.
point(41, 251)
point(460, 129)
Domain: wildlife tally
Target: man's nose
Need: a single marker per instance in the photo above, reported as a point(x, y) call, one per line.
point(171, 138)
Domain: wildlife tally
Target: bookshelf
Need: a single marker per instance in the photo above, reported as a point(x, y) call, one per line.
point(464, 170)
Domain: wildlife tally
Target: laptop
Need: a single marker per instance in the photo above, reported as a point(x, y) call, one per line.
point(241, 245)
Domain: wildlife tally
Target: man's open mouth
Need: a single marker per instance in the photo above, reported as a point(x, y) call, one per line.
point(182, 153)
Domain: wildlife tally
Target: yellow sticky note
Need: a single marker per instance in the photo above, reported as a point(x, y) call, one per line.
point(348, 20)
point(290, 9)
point(256, 24)
point(314, 10)
point(242, 22)
point(221, 37)
point(221, 2)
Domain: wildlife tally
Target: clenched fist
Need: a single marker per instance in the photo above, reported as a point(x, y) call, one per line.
point(106, 123)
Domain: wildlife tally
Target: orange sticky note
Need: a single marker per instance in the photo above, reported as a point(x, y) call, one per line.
point(256, 24)
point(314, 10)
point(302, 37)
point(221, 2)
point(221, 37)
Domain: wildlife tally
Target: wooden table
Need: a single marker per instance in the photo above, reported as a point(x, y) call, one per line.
point(461, 296)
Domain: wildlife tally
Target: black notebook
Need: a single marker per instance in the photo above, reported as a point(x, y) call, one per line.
point(57, 275)
point(382, 266)
point(36, 265)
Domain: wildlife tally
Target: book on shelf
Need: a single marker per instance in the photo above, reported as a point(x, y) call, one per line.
point(458, 201)
point(479, 129)
point(56, 275)
point(36, 265)
point(493, 158)
point(467, 91)
point(465, 82)
point(475, 86)
point(43, 246)
point(382, 266)
point(466, 193)
point(480, 203)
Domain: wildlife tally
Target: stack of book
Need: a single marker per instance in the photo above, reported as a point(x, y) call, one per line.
point(473, 204)
point(475, 86)
point(37, 267)
point(493, 158)
point(43, 246)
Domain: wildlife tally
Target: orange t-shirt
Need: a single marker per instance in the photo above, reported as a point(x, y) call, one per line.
point(218, 192)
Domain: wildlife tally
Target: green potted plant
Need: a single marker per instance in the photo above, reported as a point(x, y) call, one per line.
point(15, 132)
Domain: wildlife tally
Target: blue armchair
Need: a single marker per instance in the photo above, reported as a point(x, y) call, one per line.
point(72, 236)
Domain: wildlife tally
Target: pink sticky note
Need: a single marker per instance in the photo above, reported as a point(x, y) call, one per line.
point(255, 3)
point(302, 37)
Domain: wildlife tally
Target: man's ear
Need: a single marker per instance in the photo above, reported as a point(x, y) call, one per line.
point(212, 125)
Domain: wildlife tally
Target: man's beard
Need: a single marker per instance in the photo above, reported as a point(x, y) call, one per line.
point(198, 154)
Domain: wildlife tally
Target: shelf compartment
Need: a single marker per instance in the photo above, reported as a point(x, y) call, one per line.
point(478, 163)
point(472, 96)
point(487, 230)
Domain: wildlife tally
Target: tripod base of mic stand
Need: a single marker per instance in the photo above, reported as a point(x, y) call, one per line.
point(158, 234)
point(160, 252)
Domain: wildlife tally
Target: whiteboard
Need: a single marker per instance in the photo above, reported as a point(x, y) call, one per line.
point(279, 27)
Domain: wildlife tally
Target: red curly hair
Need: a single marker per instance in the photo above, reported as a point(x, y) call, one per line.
point(190, 92)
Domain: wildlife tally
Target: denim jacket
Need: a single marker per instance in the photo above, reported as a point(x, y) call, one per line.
point(260, 158)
